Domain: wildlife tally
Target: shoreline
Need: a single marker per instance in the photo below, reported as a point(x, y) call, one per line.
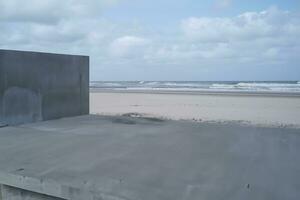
point(262, 110)
point(178, 92)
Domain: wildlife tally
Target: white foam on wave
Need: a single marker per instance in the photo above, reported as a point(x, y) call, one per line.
point(177, 84)
point(279, 87)
point(151, 83)
point(203, 86)
point(221, 86)
point(254, 84)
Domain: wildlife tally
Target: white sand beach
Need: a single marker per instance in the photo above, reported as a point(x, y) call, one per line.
point(266, 110)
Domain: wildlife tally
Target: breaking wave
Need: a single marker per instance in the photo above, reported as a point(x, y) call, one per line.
point(280, 86)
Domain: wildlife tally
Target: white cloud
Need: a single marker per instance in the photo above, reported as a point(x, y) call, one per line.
point(50, 11)
point(270, 37)
point(128, 46)
point(250, 25)
point(250, 35)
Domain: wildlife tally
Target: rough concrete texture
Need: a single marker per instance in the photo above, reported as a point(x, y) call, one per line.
point(11, 193)
point(97, 157)
point(42, 86)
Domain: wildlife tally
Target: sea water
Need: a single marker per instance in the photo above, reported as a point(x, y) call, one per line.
point(209, 86)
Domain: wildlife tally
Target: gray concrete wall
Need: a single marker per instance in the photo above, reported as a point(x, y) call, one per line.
point(41, 86)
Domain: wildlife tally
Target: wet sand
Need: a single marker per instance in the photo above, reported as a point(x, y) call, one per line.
point(263, 109)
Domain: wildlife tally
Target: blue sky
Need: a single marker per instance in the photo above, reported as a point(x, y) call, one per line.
point(162, 40)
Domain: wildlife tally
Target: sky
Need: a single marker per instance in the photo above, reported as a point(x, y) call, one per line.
point(182, 40)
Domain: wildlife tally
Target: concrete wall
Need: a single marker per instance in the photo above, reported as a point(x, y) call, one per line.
point(41, 86)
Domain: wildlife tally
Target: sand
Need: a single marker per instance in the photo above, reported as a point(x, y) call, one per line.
point(263, 109)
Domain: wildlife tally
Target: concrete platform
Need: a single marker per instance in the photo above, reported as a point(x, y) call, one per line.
point(123, 158)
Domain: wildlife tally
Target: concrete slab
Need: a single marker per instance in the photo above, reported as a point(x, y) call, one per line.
point(97, 157)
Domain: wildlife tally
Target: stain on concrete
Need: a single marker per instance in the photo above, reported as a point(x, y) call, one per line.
point(21, 105)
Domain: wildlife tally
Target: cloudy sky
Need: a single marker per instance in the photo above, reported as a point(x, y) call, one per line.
point(162, 39)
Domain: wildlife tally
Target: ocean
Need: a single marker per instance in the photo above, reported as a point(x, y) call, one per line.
point(205, 86)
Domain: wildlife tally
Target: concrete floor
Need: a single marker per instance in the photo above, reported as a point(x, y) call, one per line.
point(123, 158)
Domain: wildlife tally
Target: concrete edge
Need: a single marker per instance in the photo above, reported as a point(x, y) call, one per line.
point(41, 52)
point(54, 189)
